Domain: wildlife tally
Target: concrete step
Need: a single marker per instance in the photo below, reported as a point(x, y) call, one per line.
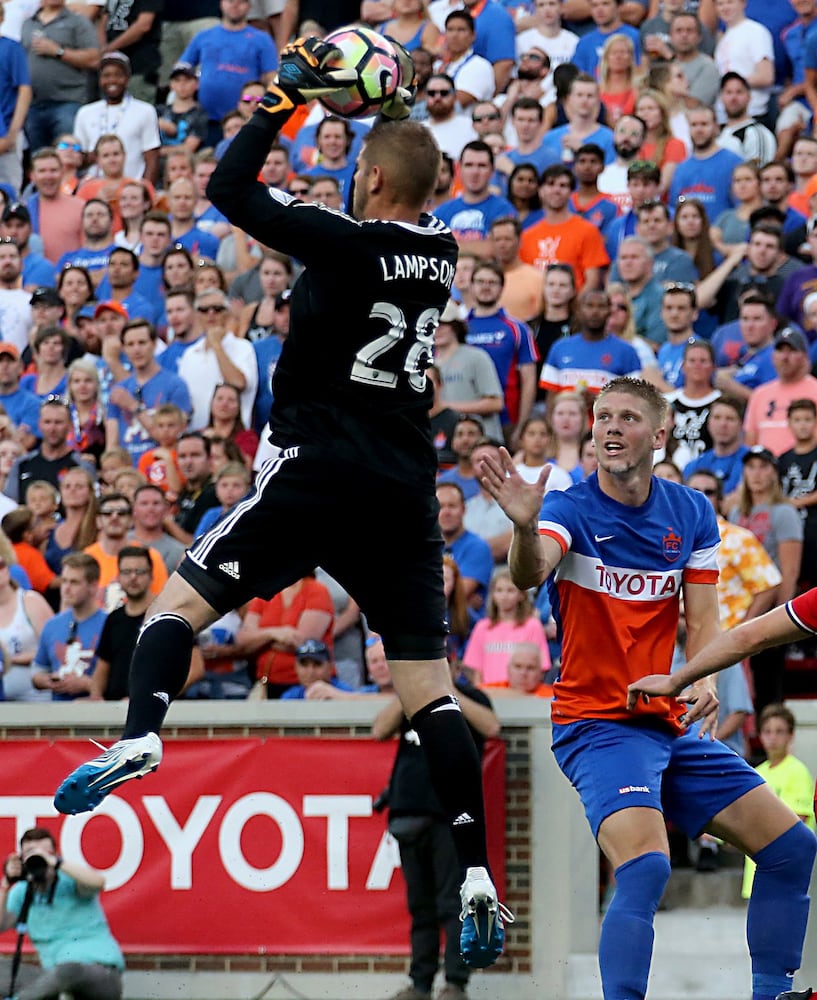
point(690, 889)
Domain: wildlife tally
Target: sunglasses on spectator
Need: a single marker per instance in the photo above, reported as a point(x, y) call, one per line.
point(211, 309)
point(439, 93)
point(494, 116)
point(533, 56)
point(619, 307)
point(252, 99)
point(70, 145)
point(299, 191)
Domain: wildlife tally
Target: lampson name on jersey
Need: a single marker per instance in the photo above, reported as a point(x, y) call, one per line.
point(412, 266)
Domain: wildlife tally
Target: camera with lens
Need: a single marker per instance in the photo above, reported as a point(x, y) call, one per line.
point(35, 868)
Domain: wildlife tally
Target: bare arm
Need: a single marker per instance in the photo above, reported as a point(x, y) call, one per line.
point(789, 555)
point(532, 557)
point(709, 286)
point(388, 719)
point(479, 717)
point(151, 164)
point(763, 74)
point(771, 629)
point(527, 393)
point(484, 406)
point(21, 106)
point(132, 34)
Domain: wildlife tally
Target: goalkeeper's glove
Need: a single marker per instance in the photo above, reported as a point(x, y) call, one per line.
point(304, 72)
point(399, 106)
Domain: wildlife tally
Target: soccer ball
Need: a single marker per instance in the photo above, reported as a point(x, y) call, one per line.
point(373, 58)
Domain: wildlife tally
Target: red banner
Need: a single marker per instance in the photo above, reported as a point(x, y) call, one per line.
point(239, 846)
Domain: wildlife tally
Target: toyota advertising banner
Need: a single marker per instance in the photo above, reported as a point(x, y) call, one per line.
point(239, 846)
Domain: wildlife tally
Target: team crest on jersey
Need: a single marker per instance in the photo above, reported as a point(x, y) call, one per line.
point(672, 545)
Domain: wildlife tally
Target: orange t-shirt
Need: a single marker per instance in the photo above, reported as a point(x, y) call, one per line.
point(155, 469)
point(276, 666)
point(674, 152)
point(33, 562)
point(574, 241)
point(109, 571)
point(543, 691)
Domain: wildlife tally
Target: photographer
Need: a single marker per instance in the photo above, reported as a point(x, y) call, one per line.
point(66, 923)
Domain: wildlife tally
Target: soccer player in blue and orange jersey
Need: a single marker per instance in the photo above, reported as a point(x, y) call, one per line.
point(619, 550)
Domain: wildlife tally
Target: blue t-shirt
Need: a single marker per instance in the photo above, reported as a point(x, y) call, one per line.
point(472, 555)
point(343, 175)
point(509, 343)
point(541, 157)
point(170, 357)
point(69, 647)
point(208, 519)
point(469, 487)
point(91, 260)
point(728, 344)
point(227, 60)
point(588, 51)
point(472, 220)
point(603, 137)
point(306, 141)
point(145, 304)
point(495, 37)
point(72, 928)
point(709, 179)
point(727, 468)
point(13, 75)
point(24, 408)
point(757, 369)
point(299, 691)
point(670, 358)
point(267, 352)
point(163, 387)
point(601, 213)
point(37, 270)
point(198, 243)
point(29, 383)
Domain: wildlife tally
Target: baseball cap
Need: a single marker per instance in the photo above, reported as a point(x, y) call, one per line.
point(313, 649)
point(282, 298)
point(16, 210)
point(45, 295)
point(87, 312)
point(183, 68)
point(111, 306)
point(758, 451)
point(10, 350)
point(788, 337)
point(116, 57)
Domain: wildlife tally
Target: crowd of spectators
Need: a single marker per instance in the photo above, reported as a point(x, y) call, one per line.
point(633, 187)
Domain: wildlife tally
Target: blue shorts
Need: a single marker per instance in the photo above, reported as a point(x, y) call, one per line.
point(620, 765)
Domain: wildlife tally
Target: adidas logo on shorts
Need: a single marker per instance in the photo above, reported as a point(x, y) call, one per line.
point(231, 569)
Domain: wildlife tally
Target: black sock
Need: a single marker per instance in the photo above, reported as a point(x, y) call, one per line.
point(456, 774)
point(158, 670)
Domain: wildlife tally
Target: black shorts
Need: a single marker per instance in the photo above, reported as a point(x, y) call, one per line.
point(379, 538)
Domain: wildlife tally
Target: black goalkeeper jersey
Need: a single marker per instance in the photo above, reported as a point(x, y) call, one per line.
point(351, 376)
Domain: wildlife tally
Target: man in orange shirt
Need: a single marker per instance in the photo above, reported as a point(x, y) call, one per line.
point(115, 521)
point(562, 237)
point(524, 673)
point(523, 292)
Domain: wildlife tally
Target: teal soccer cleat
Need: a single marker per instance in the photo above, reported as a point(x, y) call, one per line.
point(483, 920)
point(88, 785)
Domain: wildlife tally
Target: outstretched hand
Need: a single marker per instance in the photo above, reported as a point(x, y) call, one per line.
point(520, 500)
point(699, 697)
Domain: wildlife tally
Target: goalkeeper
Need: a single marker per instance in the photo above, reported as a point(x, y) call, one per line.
point(352, 487)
